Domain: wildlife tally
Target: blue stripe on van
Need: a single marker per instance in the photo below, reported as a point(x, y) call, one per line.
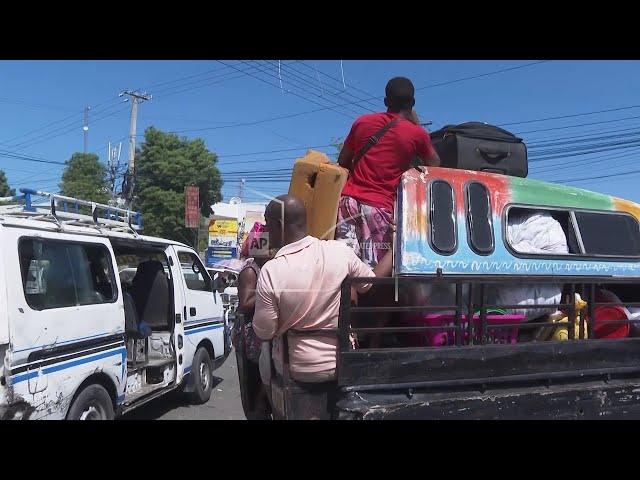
point(74, 363)
point(67, 341)
point(203, 329)
point(202, 322)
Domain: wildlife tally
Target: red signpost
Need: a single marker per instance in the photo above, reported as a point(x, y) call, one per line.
point(192, 207)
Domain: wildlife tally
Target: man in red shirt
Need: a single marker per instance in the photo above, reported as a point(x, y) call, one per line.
point(375, 168)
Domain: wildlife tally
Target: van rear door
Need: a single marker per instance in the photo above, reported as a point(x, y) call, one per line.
point(178, 314)
point(203, 309)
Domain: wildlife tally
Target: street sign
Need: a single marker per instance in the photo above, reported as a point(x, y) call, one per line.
point(216, 254)
point(191, 207)
point(223, 228)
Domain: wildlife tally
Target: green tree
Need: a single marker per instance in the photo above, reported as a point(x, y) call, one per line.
point(5, 191)
point(85, 178)
point(165, 165)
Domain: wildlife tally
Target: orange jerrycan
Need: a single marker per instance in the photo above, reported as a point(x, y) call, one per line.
point(318, 183)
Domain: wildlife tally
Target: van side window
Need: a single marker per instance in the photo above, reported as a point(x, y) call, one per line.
point(479, 219)
point(64, 274)
point(586, 233)
point(609, 234)
point(443, 218)
point(195, 275)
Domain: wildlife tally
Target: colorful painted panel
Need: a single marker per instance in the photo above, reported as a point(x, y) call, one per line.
point(414, 254)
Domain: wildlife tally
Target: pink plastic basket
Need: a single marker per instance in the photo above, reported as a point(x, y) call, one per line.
point(435, 338)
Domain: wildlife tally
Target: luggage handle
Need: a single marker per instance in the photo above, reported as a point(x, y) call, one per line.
point(492, 154)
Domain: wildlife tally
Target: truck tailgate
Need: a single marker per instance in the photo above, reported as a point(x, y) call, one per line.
point(586, 400)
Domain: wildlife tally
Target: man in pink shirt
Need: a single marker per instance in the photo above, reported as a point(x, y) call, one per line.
point(299, 289)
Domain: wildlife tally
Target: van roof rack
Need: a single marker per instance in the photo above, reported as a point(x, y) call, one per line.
point(113, 218)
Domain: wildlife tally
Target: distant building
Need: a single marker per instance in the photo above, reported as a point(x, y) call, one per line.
point(228, 227)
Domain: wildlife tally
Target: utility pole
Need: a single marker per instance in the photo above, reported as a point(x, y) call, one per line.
point(136, 98)
point(85, 128)
point(241, 189)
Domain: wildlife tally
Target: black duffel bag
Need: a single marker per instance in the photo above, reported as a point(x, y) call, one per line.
point(481, 147)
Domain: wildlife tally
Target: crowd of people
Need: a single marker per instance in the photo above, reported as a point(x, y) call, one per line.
point(294, 285)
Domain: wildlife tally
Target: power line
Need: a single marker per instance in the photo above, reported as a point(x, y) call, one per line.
point(202, 83)
point(33, 105)
point(309, 88)
point(337, 80)
point(590, 161)
point(220, 155)
point(569, 116)
point(31, 178)
point(223, 157)
point(585, 133)
point(578, 145)
point(96, 109)
point(298, 114)
point(251, 172)
point(597, 177)
point(576, 142)
point(473, 77)
point(73, 130)
point(570, 149)
point(259, 180)
point(578, 125)
point(584, 150)
point(177, 80)
point(7, 142)
point(337, 94)
point(530, 146)
point(259, 161)
point(332, 108)
point(17, 156)
point(64, 130)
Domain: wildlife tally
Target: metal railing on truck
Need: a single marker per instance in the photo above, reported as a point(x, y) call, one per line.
point(472, 359)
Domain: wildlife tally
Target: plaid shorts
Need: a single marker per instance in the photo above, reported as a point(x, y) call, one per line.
point(365, 229)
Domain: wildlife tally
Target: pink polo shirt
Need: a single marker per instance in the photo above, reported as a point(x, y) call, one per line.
point(300, 289)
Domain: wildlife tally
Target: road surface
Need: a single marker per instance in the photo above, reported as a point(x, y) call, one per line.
point(224, 404)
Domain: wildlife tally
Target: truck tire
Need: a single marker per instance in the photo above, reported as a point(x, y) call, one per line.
point(202, 373)
point(92, 403)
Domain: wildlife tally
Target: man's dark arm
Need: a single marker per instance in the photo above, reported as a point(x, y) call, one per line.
point(385, 265)
point(345, 159)
point(432, 160)
point(247, 291)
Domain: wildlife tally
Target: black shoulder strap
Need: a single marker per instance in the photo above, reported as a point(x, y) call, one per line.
point(373, 139)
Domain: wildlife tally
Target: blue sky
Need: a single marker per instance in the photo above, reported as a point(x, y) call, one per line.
point(42, 103)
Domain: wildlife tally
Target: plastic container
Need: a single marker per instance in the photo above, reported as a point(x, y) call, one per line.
point(602, 314)
point(609, 313)
point(318, 183)
point(445, 338)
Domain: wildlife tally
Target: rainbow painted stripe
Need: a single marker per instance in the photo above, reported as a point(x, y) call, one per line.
point(415, 255)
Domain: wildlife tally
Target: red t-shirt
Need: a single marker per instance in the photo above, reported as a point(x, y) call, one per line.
point(377, 174)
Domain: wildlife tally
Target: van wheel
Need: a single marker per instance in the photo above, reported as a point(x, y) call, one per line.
point(92, 403)
point(202, 372)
